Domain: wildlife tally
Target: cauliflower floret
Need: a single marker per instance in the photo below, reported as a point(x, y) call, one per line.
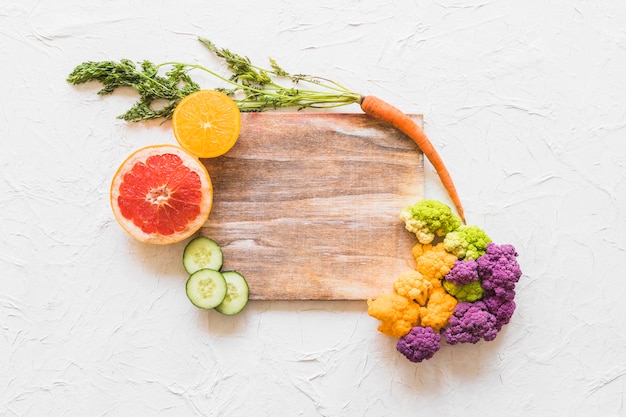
point(398, 314)
point(466, 242)
point(433, 262)
point(501, 309)
point(413, 285)
point(463, 272)
point(499, 270)
point(429, 218)
point(467, 292)
point(470, 323)
point(438, 310)
point(419, 344)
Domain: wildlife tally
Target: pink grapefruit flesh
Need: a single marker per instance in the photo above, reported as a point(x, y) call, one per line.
point(161, 194)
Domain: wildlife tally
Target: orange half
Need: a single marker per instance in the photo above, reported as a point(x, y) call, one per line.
point(206, 123)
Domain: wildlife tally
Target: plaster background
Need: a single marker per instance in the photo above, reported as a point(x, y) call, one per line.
point(524, 100)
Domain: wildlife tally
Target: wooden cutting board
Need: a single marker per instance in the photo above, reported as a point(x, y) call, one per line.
point(306, 205)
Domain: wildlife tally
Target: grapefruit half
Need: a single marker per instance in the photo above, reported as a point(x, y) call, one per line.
point(161, 194)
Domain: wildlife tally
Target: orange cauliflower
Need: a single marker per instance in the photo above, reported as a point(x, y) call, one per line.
point(433, 262)
point(398, 314)
point(438, 310)
point(413, 285)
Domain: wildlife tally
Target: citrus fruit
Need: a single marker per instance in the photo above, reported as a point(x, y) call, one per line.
point(206, 123)
point(161, 194)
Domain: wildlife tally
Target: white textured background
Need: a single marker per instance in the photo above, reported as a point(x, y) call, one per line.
point(525, 101)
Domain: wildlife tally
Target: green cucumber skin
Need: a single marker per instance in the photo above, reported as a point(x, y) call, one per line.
point(215, 294)
point(191, 254)
point(231, 306)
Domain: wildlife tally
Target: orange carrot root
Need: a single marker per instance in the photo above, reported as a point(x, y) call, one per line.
point(384, 111)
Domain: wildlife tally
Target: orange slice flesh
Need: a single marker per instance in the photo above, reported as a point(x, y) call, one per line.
point(206, 123)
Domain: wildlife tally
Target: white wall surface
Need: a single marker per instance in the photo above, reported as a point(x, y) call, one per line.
point(524, 100)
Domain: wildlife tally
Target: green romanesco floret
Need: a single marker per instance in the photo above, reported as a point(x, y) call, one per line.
point(429, 218)
point(467, 242)
point(464, 293)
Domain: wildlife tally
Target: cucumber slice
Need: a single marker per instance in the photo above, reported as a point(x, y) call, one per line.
point(201, 253)
point(206, 288)
point(236, 295)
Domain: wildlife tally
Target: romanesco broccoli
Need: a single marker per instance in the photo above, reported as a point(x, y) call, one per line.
point(429, 218)
point(467, 242)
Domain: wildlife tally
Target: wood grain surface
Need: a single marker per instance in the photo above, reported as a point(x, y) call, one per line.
point(306, 205)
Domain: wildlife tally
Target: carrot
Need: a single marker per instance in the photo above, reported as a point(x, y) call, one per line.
point(384, 111)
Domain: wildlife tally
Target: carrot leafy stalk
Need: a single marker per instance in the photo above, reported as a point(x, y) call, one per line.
point(254, 89)
point(153, 88)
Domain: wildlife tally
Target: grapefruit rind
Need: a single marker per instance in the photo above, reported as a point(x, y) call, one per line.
point(190, 162)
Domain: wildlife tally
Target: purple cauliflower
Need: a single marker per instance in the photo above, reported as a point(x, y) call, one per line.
point(501, 309)
point(419, 344)
point(463, 272)
point(470, 323)
point(499, 271)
